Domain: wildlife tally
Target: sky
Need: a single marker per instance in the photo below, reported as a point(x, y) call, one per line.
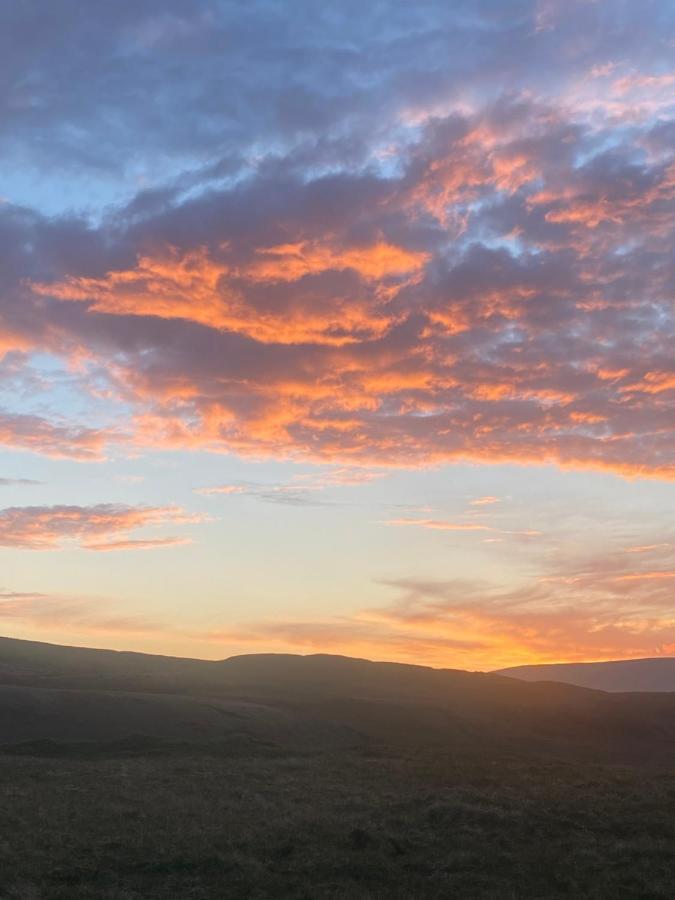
point(342, 328)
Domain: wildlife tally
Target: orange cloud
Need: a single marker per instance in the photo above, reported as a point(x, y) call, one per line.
point(10, 341)
point(96, 527)
point(646, 548)
point(584, 614)
point(290, 262)
point(652, 383)
point(443, 525)
point(645, 576)
point(196, 287)
point(137, 544)
point(439, 524)
point(580, 608)
point(490, 302)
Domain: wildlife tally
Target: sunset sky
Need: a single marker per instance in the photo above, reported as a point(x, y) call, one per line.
point(339, 327)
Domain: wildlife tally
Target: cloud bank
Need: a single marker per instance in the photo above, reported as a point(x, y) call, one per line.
point(398, 264)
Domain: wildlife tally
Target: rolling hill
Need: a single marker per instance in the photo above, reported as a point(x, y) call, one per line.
point(57, 693)
point(620, 675)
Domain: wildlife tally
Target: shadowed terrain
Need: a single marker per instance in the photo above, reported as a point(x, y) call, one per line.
point(76, 694)
point(617, 675)
point(125, 775)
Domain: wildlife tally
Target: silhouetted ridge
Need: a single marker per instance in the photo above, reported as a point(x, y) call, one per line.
point(617, 675)
point(57, 693)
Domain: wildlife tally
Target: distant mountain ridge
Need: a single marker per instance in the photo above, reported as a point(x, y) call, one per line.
point(655, 674)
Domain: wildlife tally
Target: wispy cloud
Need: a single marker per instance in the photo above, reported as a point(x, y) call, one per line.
point(446, 525)
point(137, 544)
point(288, 494)
point(18, 482)
point(76, 614)
point(101, 527)
point(438, 524)
point(647, 548)
point(303, 490)
point(58, 439)
point(585, 607)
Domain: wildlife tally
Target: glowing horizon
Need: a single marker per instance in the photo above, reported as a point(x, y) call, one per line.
point(341, 331)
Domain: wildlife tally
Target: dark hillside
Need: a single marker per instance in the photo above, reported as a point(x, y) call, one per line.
point(654, 675)
point(126, 776)
point(63, 693)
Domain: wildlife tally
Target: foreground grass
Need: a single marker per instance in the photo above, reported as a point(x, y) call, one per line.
point(353, 824)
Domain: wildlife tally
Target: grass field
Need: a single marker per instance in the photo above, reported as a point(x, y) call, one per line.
point(152, 821)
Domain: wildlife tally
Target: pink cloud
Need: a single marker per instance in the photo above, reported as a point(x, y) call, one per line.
point(137, 544)
point(38, 435)
point(468, 307)
point(101, 527)
point(444, 525)
point(439, 524)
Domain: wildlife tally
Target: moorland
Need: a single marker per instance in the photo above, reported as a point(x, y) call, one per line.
point(126, 775)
